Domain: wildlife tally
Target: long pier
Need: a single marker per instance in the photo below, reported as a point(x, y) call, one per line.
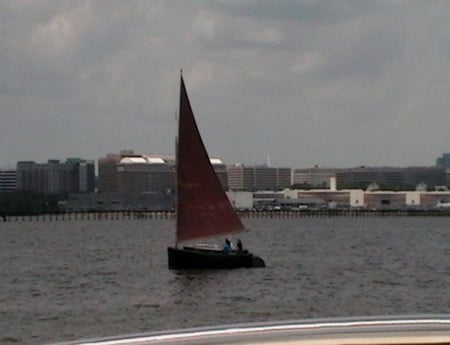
point(146, 215)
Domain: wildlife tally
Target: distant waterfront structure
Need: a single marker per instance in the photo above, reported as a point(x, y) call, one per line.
point(221, 171)
point(240, 177)
point(8, 180)
point(76, 175)
point(107, 173)
point(443, 161)
point(393, 177)
point(251, 178)
point(144, 174)
point(132, 173)
point(314, 176)
point(84, 172)
point(138, 181)
point(147, 181)
point(399, 178)
point(372, 200)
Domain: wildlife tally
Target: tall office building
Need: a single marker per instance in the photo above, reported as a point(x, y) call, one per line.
point(221, 171)
point(107, 173)
point(443, 161)
point(251, 178)
point(54, 177)
point(431, 176)
point(143, 174)
point(284, 178)
point(84, 174)
point(390, 176)
point(314, 176)
point(129, 173)
point(240, 177)
point(264, 178)
point(8, 180)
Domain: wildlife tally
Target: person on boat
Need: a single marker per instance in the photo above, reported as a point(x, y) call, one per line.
point(228, 246)
point(239, 245)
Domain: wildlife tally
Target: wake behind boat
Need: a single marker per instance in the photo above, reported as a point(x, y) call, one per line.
point(203, 209)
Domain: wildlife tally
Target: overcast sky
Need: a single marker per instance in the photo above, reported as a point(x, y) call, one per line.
point(332, 83)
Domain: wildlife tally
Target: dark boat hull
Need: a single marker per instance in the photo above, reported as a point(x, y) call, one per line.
point(189, 258)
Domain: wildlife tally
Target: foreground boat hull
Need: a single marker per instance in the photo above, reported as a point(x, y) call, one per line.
point(189, 258)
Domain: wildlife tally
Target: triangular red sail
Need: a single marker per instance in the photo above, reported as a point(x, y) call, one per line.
point(203, 209)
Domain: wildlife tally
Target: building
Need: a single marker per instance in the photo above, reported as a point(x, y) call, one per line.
point(241, 200)
point(107, 173)
point(128, 173)
point(221, 171)
point(444, 161)
point(253, 178)
point(54, 177)
point(390, 177)
point(373, 200)
point(84, 174)
point(264, 178)
point(267, 199)
point(284, 178)
point(143, 174)
point(431, 176)
point(326, 197)
point(240, 177)
point(8, 180)
point(314, 176)
point(362, 177)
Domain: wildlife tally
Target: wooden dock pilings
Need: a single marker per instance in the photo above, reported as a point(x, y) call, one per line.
point(92, 215)
point(145, 215)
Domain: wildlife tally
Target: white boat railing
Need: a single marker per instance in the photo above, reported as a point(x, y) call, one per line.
point(428, 329)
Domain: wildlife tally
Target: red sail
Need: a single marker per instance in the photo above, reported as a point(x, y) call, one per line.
point(203, 209)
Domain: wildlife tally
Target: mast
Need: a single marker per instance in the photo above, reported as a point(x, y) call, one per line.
point(176, 186)
point(177, 119)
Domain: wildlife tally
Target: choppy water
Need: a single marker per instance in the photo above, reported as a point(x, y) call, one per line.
point(81, 279)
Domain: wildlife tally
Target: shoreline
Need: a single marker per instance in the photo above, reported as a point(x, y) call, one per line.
point(145, 215)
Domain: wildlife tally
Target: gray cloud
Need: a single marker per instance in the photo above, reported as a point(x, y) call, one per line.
point(339, 83)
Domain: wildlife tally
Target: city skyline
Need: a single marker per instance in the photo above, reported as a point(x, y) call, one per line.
point(128, 152)
point(333, 84)
point(135, 174)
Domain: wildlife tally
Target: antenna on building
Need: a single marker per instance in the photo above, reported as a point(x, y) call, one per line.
point(268, 161)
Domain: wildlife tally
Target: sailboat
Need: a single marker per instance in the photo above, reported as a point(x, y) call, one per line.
point(203, 210)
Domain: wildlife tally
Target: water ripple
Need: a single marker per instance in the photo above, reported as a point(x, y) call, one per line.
point(71, 280)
